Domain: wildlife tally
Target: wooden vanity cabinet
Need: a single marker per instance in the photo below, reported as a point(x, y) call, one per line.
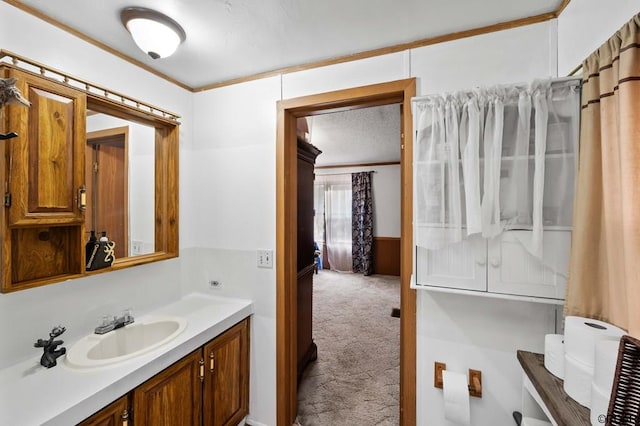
point(43, 173)
point(208, 387)
point(173, 397)
point(226, 380)
point(115, 414)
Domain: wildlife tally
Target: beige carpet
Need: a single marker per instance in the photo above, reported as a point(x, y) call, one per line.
point(355, 380)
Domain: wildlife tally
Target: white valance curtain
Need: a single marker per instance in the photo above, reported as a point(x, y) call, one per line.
point(481, 158)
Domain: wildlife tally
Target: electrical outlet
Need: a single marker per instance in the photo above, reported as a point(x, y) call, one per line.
point(265, 259)
point(214, 284)
point(136, 247)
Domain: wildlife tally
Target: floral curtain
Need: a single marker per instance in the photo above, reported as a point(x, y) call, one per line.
point(362, 223)
point(604, 271)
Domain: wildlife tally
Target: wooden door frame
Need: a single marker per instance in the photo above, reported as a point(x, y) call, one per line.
point(395, 92)
point(109, 136)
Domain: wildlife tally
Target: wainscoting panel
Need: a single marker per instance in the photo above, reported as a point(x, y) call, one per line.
point(386, 255)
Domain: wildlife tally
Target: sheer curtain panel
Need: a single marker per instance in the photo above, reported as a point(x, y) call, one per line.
point(481, 159)
point(337, 217)
point(604, 271)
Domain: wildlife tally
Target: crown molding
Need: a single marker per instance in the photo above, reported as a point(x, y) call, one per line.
point(307, 66)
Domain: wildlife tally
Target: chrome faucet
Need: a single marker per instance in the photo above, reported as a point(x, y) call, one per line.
point(110, 323)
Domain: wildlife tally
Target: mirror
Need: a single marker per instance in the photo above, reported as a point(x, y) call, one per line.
point(119, 178)
point(131, 177)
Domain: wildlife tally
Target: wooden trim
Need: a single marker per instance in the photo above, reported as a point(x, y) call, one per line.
point(107, 136)
point(562, 7)
point(116, 99)
point(340, 166)
point(286, 236)
point(109, 133)
point(408, 329)
point(576, 70)
point(386, 255)
point(40, 15)
point(286, 265)
point(386, 50)
point(302, 67)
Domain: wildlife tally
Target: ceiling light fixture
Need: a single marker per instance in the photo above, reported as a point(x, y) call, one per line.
point(156, 34)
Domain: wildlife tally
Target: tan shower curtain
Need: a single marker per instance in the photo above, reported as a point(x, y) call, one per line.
point(604, 271)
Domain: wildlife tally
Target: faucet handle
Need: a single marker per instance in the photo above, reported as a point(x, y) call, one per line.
point(57, 331)
point(127, 316)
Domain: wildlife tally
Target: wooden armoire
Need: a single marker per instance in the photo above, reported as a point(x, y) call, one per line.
point(307, 350)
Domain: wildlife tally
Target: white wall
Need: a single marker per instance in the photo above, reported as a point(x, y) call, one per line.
point(231, 214)
point(585, 25)
point(385, 188)
point(28, 315)
point(511, 56)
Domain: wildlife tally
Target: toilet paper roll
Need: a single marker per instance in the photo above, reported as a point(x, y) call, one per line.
point(456, 397)
point(581, 335)
point(554, 354)
point(606, 360)
point(599, 405)
point(528, 421)
point(577, 380)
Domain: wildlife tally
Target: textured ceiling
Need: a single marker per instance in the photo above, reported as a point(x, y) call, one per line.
point(229, 39)
point(367, 135)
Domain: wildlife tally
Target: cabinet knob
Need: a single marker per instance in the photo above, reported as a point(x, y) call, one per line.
point(495, 263)
point(212, 362)
point(125, 418)
point(82, 198)
point(481, 262)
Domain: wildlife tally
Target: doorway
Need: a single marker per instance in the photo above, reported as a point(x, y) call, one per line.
point(401, 92)
point(106, 170)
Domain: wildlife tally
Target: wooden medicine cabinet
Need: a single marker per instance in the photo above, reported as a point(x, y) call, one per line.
point(85, 158)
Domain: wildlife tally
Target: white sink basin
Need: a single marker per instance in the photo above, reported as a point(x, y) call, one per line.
point(124, 343)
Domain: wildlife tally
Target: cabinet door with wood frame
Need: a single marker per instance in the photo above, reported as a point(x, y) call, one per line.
point(115, 414)
point(45, 165)
point(226, 381)
point(173, 397)
point(43, 170)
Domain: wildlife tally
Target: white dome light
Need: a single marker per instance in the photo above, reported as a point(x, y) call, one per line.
point(156, 34)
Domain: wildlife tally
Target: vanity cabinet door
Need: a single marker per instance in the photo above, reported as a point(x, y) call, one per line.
point(226, 384)
point(171, 398)
point(45, 168)
point(115, 414)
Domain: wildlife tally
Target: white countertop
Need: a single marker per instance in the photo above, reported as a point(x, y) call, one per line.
point(33, 395)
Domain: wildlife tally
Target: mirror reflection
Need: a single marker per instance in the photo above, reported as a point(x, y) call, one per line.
point(120, 181)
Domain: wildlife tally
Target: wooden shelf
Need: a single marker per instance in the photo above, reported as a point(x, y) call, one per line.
point(564, 410)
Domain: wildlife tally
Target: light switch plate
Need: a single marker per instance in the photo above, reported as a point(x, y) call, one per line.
point(265, 259)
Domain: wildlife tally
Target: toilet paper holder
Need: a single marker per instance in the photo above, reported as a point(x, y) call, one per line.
point(475, 379)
